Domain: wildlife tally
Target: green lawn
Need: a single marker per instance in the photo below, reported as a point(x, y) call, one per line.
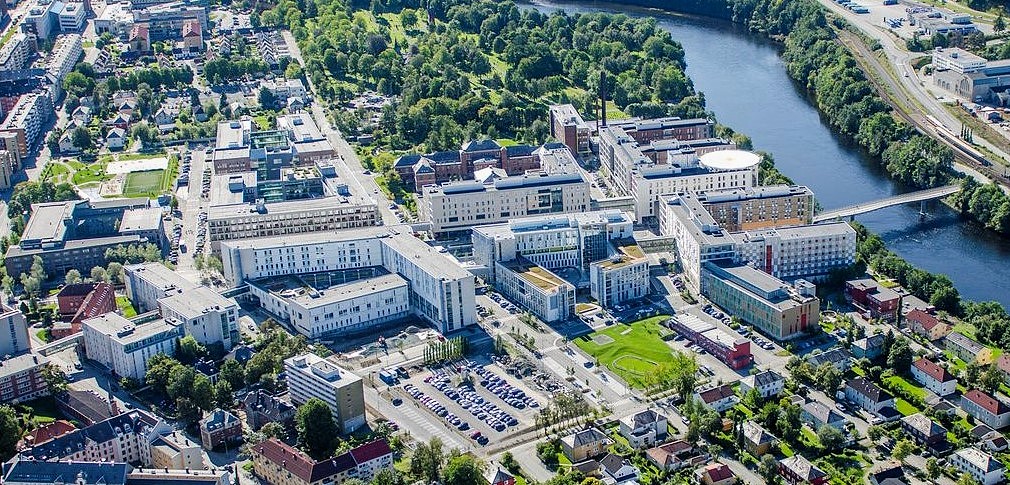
point(634, 351)
point(904, 407)
point(91, 173)
point(42, 335)
point(900, 382)
point(124, 305)
point(965, 328)
point(140, 156)
point(142, 183)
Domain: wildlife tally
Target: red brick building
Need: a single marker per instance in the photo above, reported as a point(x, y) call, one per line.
point(440, 167)
point(81, 301)
point(879, 301)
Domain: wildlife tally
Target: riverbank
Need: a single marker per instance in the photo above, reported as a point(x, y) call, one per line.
point(839, 172)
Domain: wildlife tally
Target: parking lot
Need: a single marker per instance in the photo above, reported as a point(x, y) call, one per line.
point(478, 401)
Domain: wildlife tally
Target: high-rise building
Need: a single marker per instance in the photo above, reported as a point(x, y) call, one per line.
point(311, 376)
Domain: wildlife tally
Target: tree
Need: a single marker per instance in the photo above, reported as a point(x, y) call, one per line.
point(267, 99)
point(463, 470)
point(56, 379)
point(828, 377)
point(81, 138)
point(180, 382)
point(202, 392)
point(788, 423)
point(10, 432)
point(115, 272)
point(232, 373)
point(273, 429)
point(902, 449)
point(933, 469)
point(73, 277)
point(408, 17)
point(769, 469)
point(146, 133)
point(875, 433)
point(900, 356)
point(223, 395)
point(426, 462)
point(830, 437)
point(999, 25)
point(316, 428)
point(190, 350)
point(159, 368)
point(991, 379)
point(98, 275)
point(187, 411)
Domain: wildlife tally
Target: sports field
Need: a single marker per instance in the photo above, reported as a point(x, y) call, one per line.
point(631, 350)
point(146, 182)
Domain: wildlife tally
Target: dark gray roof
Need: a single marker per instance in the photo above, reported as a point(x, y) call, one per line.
point(587, 436)
point(520, 150)
point(80, 473)
point(863, 386)
point(407, 160)
point(481, 145)
point(133, 421)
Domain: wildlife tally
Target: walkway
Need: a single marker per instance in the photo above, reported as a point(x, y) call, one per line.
point(854, 210)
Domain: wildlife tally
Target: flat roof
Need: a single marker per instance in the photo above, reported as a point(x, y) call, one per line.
point(311, 298)
point(231, 133)
point(699, 222)
point(21, 363)
point(797, 232)
point(301, 126)
point(46, 222)
point(221, 192)
point(759, 192)
point(192, 302)
point(424, 256)
point(287, 207)
point(125, 331)
point(350, 234)
point(534, 274)
point(160, 276)
point(148, 219)
point(626, 253)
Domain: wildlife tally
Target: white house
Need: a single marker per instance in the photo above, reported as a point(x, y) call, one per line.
point(617, 469)
point(644, 429)
point(116, 139)
point(933, 377)
point(768, 383)
point(980, 465)
point(867, 395)
point(718, 398)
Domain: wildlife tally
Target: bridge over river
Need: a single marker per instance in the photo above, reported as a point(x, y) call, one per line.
point(862, 208)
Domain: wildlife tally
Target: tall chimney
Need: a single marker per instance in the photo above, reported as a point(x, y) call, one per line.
point(603, 97)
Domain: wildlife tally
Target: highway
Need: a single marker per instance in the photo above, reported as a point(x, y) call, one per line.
point(873, 205)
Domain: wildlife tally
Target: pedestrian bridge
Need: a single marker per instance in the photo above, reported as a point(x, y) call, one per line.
point(862, 208)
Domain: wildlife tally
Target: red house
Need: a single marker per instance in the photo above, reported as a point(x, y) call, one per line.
point(797, 469)
point(878, 300)
point(497, 475)
point(81, 301)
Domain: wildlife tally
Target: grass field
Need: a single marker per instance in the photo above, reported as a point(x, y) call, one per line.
point(146, 182)
point(630, 350)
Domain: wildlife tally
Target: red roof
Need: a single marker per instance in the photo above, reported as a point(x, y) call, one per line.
point(718, 472)
point(933, 370)
point(926, 320)
point(49, 432)
point(991, 404)
point(300, 465)
point(371, 451)
point(716, 394)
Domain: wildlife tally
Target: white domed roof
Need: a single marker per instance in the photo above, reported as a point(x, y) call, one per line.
point(730, 159)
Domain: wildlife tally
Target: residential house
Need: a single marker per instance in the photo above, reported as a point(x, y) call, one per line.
point(756, 440)
point(262, 408)
point(220, 428)
point(140, 38)
point(676, 455)
point(719, 398)
point(869, 347)
point(371, 458)
point(994, 442)
point(715, 474)
point(933, 377)
point(889, 474)
point(868, 396)
point(66, 143)
point(584, 444)
point(838, 357)
point(1003, 364)
point(816, 414)
point(926, 433)
point(967, 349)
point(986, 408)
point(796, 469)
point(644, 429)
point(768, 383)
point(496, 475)
point(115, 139)
point(128, 438)
point(617, 469)
point(165, 116)
point(926, 325)
point(980, 465)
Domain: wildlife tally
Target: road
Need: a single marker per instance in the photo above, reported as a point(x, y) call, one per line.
point(191, 204)
point(348, 164)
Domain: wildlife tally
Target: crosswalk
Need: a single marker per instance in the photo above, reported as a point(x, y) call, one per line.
point(415, 419)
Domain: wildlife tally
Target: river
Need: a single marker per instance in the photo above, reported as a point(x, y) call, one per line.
point(746, 85)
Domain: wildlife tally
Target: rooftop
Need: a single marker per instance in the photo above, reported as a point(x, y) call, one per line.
point(193, 303)
point(21, 363)
point(308, 296)
point(126, 332)
point(535, 275)
point(137, 220)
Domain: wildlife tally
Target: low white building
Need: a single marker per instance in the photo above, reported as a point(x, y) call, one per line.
point(72, 16)
point(147, 283)
point(644, 429)
point(311, 376)
point(768, 383)
point(439, 290)
point(206, 315)
point(536, 289)
point(981, 466)
point(124, 347)
point(933, 377)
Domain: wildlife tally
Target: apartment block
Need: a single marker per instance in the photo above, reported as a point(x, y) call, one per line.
point(26, 119)
point(175, 451)
point(124, 347)
point(22, 378)
point(14, 338)
point(986, 408)
point(165, 20)
point(697, 237)
point(621, 278)
point(438, 289)
point(311, 376)
point(147, 283)
point(125, 438)
point(878, 300)
point(762, 207)
point(778, 309)
point(733, 351)
point(71, 17)
point(219, 428)
point(277, 463)
point(452, 209)
point(810, 252)
point(981, 466)
point(204, 314)
point(15, 54)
